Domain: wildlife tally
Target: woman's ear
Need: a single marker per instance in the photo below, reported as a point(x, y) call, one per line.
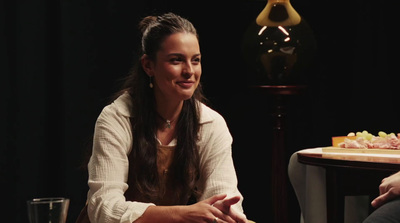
point(147, 65)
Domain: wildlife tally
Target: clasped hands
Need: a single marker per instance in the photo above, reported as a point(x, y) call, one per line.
point(216, 209)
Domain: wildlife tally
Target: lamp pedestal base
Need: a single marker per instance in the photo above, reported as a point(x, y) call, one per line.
point(279, 165)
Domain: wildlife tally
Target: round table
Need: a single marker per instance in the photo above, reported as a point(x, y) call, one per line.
point(350, 172)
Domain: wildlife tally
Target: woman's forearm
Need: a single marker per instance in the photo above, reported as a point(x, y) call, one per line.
point(164, 214)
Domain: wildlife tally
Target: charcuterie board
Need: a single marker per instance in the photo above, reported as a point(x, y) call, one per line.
point(331, 149)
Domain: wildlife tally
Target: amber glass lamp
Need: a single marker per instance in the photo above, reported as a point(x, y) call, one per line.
point(278, 46)
point(279, 50)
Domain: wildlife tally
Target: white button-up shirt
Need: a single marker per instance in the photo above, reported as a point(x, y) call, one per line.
point(109, 164)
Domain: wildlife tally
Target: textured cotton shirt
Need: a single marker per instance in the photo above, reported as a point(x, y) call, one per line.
point(108, 166)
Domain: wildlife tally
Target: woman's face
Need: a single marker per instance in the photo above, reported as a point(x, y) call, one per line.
point(177, 69)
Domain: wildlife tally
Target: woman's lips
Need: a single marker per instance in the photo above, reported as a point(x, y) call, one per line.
point(185, 84)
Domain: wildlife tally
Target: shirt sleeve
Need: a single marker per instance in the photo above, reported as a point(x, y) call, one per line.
point(218, 174)
point(108, 170)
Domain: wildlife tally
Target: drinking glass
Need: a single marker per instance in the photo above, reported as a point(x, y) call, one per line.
point(48, 210)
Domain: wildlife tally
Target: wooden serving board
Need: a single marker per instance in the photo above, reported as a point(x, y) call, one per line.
point(331, 149)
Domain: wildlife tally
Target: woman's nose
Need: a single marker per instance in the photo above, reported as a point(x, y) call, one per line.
point(188, 70)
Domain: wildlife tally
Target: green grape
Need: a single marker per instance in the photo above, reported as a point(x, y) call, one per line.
point(364, 134)
point(382, 134)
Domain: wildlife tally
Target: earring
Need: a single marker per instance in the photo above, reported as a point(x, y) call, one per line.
point(151, 82)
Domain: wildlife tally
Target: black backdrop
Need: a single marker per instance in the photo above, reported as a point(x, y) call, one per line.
point(61, 60)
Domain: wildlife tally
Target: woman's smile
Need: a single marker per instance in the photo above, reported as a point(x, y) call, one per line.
point(185, 84)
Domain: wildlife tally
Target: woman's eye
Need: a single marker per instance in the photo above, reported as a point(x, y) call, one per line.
point(196, 60)
point(176, 60)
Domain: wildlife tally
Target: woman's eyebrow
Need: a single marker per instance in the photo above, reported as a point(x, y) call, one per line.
point(183, 55)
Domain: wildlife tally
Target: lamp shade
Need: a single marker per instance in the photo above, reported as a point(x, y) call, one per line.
point(279, 46)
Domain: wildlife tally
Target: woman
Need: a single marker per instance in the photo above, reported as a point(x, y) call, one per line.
point(157, 147)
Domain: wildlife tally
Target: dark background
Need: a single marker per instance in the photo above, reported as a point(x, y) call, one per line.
point(61, 60)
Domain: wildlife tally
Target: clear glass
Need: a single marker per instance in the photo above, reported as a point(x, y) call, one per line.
point(48, 210)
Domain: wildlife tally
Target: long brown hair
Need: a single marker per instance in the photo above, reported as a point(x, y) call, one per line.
point(143, 175)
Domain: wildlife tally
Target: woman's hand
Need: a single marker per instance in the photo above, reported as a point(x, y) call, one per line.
point(389, 189)
point(214, 209)
point(225, 207)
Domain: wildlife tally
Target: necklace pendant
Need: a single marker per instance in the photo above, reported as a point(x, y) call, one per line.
point(168, 125)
